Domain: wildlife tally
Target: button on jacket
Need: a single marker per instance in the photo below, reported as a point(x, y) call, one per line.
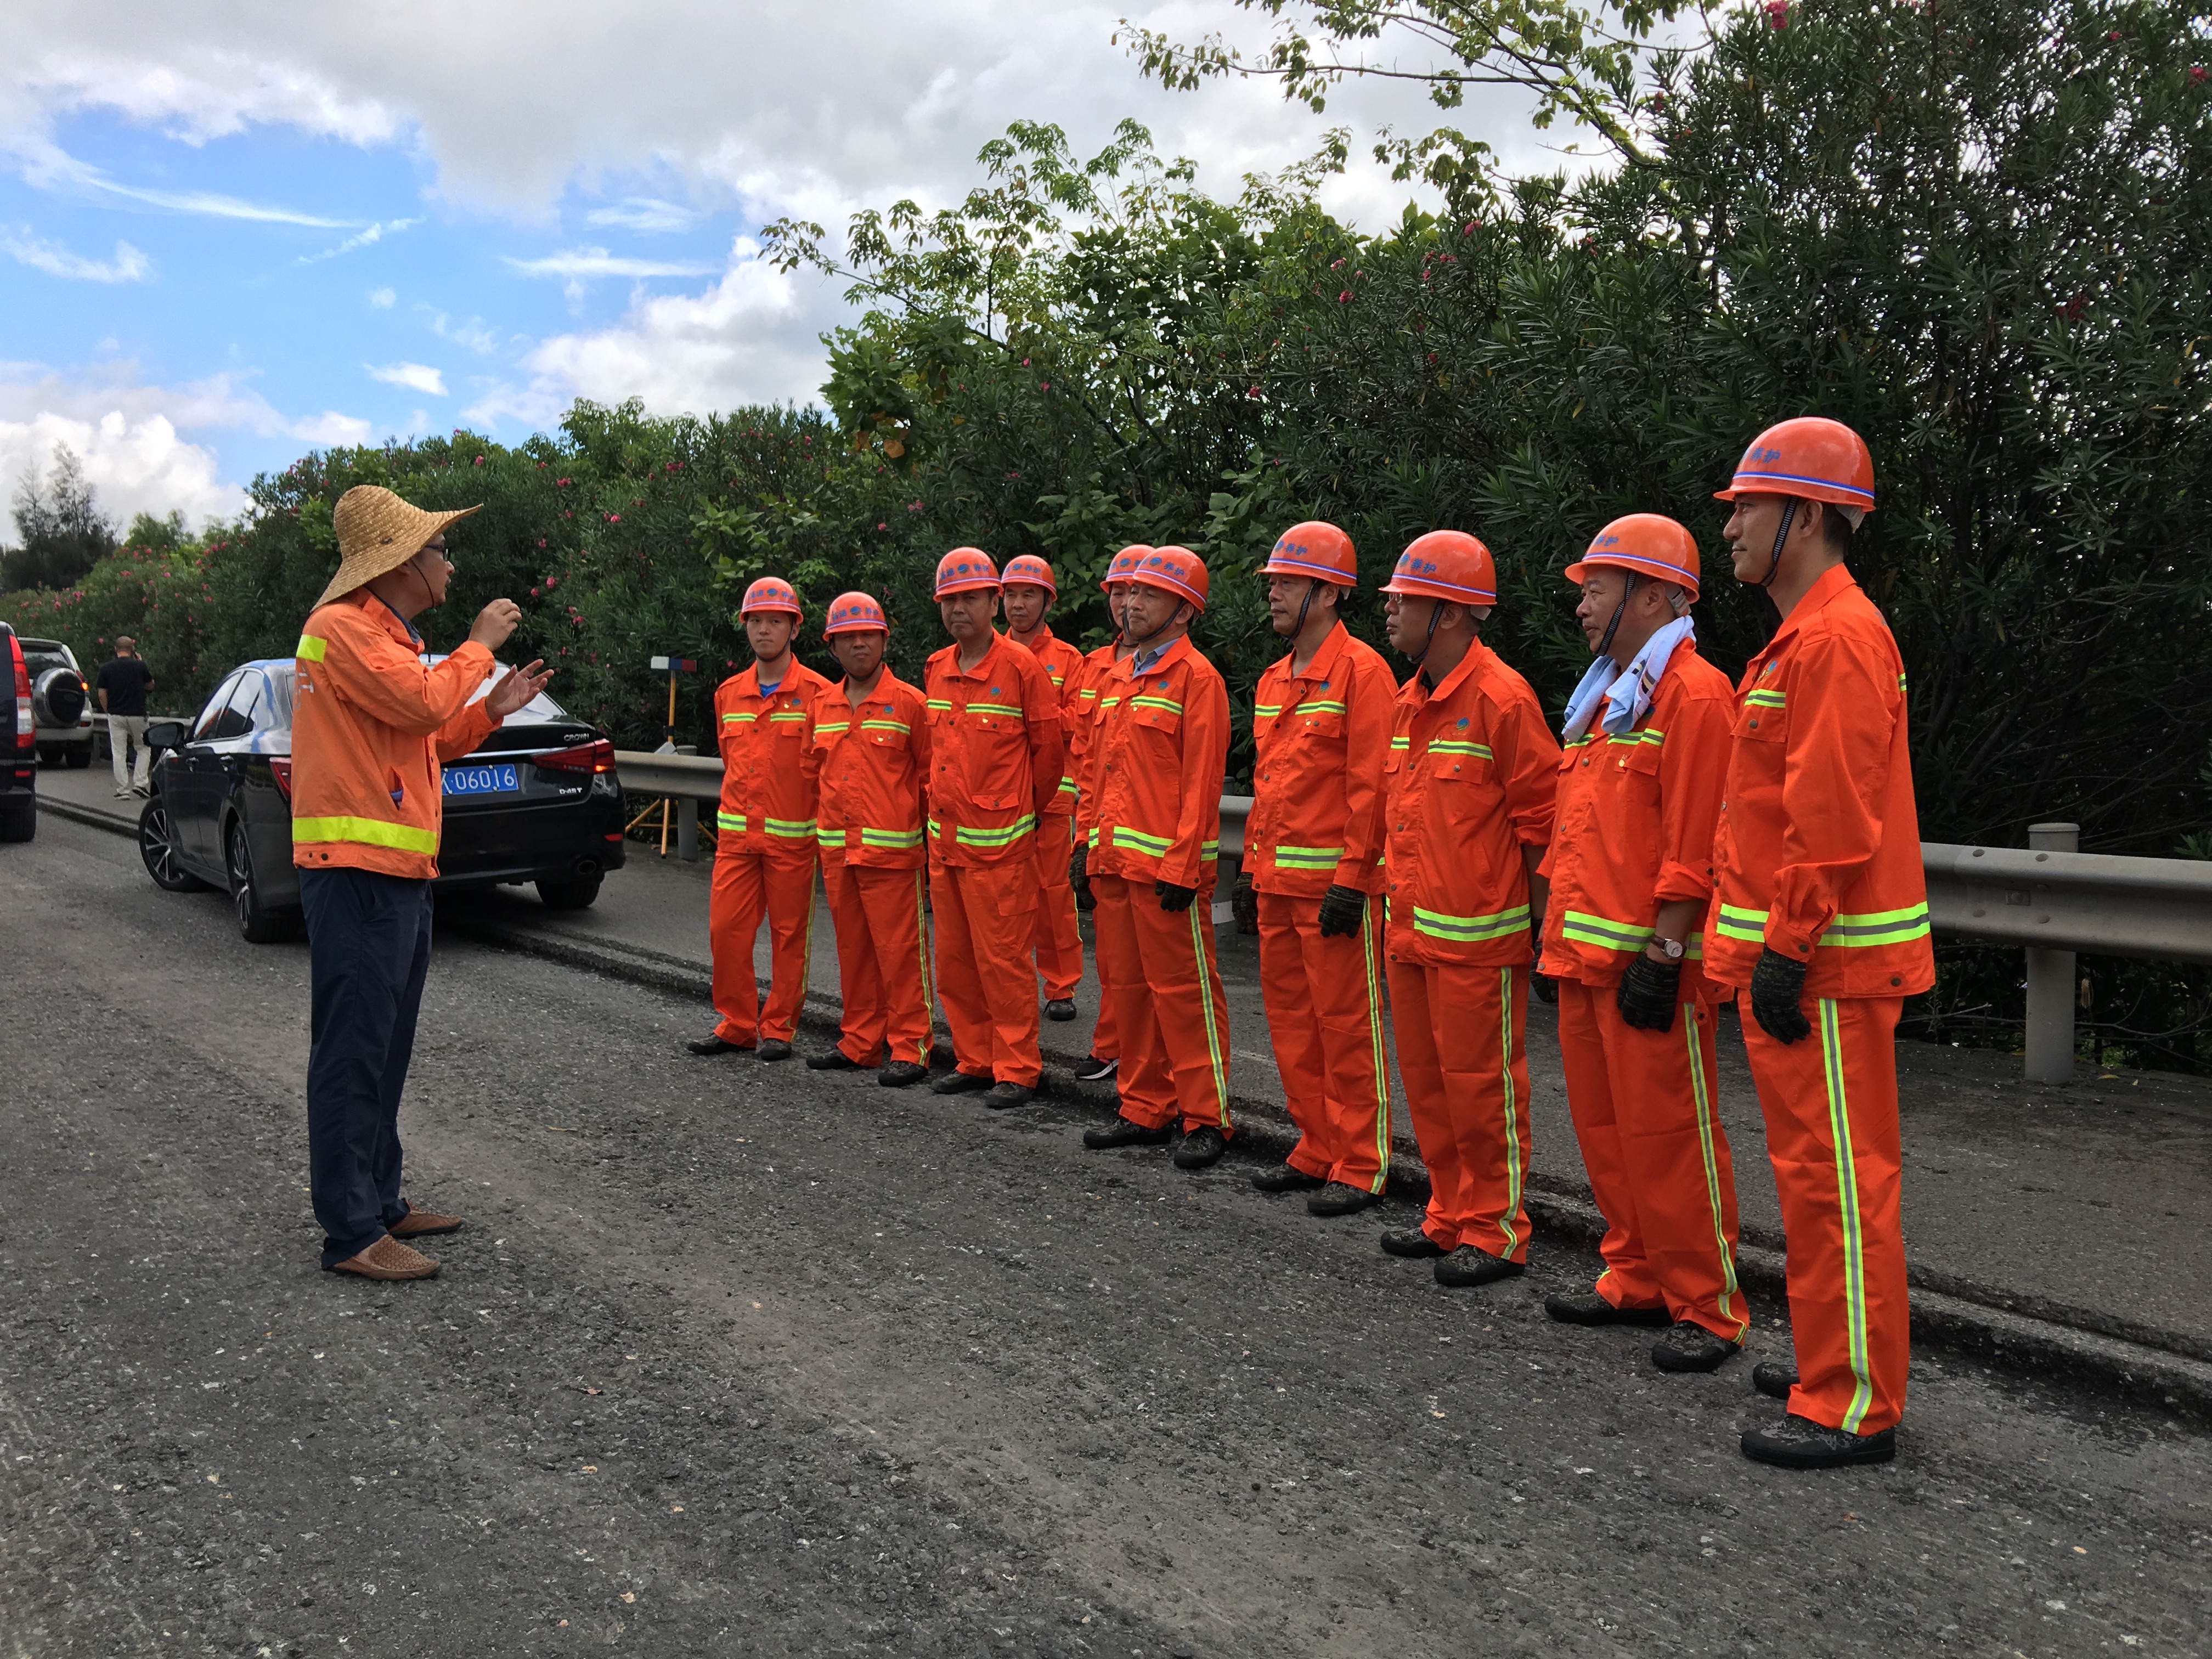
point(768, 767)
point(1818, 848)
point(1471, 777)
point(372, 724)
point(996, 749)
point(1162, 744)
point(1322, 738)
point(1063, 664)
point(1635, 828)
point(874, 762)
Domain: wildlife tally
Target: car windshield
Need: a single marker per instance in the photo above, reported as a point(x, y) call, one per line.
point(539, 707)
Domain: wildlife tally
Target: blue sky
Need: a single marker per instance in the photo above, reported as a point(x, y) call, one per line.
point(234, 231)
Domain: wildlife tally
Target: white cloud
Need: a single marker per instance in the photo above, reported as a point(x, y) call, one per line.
point(415, 377)
point(129, 264)
point(475, 335)
point(382, 298)
point(136, 466)
point(375, 233)
point(46, 165)
point(645, 214)
point(586, 262)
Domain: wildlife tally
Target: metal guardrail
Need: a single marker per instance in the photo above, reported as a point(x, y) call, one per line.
point(2047, 897)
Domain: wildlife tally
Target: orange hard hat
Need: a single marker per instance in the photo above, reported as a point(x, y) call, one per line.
point(853, 613)
point(1446, 564)
point(1177, 569)
point(1812, 458)
point(1124, 565)
point(1028, 567)
point(964, 568)
point(1314, 549)
point(1650, 542)
point(770, 593)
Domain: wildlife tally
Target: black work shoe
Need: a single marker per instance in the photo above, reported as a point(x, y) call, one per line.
point(1410, 1243)
point(1061, 1008)
point(1589, 1308)
point(901, 1074)
point(960, 1083)
point(1798, 1442)
point(1689, 1347)
point(715, 1043)
point(1774, 1379)
point(1121, 1131)
point(1340, 1198)
point(1202, 1148)
point(775, 1049)
point(1285, 1178)
point(1467, 1265)
point(1004, 1094)
point(1094, 1070)
point(836, 1060)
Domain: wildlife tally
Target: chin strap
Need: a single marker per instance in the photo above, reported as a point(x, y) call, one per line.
point(1627, 592)
point(1436, 613)
point(1781, 535)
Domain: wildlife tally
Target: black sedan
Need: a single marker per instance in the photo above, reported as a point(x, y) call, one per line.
point(539, 802)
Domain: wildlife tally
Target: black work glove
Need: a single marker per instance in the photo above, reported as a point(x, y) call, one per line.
point(1244, 904)
point(1545, 987)
point(1173, 899)
point(1647, 991)
point(1776, 985)
point(1079, 876)
point(1342, 909)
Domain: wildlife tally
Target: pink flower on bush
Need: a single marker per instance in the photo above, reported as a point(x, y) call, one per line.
point(880, 526)
point(541, 541)
point(2196, 74)
point(1777, 14)
point(479, 461)
point(1345, 298)
point(536, 592)
point(614, 518)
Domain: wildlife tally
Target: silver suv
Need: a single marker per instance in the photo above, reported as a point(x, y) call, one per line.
point(61, 703)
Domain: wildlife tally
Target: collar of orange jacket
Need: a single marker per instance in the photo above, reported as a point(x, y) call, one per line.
point(393, 624)
point(1168, 657)
point(950, 654)
point(1326, 656)
point(1477, 654)
point(1831, 583)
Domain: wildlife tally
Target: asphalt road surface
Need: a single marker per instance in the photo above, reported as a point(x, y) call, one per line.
point(742, 1360)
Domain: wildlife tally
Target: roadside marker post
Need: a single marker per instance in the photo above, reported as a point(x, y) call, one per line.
point(687, 828)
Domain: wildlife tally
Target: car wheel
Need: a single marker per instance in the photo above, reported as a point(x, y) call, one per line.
point(158, 847)
point(19, 825)
point(78, 758)
point(258, 924)
point(575, 894)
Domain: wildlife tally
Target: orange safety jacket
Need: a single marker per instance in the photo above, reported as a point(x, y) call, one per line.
point(994, 753)
point(1063, 663)
point(1322, 736)
point(874, 758)
point(372, 725)
point(769, 769)
point(1089, 720)
point(1635, 828)
point(1471, 778)
point(1163, 741)
point(1818, 849)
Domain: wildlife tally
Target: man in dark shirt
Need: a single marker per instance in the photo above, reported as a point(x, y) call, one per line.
point(124, 682)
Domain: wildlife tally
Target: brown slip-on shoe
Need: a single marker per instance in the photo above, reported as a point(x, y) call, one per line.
point(421, 1224)
point(388, 1259)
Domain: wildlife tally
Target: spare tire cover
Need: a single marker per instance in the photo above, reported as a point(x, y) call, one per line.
point(57, 698)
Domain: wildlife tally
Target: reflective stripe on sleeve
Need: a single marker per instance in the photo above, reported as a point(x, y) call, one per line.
point(731, 821)
point(311, 649)
point(1308, 858)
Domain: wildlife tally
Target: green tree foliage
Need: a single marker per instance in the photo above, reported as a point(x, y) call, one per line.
point(60, 530)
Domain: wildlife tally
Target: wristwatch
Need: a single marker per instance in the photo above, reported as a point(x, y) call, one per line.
point(1669, 948)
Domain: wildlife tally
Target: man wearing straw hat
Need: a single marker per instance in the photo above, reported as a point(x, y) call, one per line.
point(372, 725)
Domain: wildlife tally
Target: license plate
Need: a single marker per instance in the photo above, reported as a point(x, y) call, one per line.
point(505, 780)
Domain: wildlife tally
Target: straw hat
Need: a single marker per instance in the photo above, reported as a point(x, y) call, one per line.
point(379, 532)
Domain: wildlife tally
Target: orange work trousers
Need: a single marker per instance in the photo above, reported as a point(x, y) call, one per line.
point(746, 887)
point(1169, 1009)
point(882, 961)
point(1645, 1114)
point(1324, 1003)
point(1105, 1035)
point(1459, 1030)
point(1830, 1101)
point(1059, 946)
point(986, 917)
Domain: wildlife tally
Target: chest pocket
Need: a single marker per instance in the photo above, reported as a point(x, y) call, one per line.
point(1326, 725)
point(1765, 717)
point(1154, 715)
point(998, 757)
point(1457, 761)
point(1641, 758)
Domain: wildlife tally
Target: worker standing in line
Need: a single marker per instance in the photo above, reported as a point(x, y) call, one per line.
point(1312, 874)
point(764, 853)
point(1824, 922)
point(1470, 783)
point(1631, 875)
point(1150, 862)
point(1026, 597)
point(871, 739)
point(1092, 700)
point(995, 769)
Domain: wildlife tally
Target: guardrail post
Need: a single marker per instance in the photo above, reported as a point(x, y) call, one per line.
point(2051, 980)
point(687, 817)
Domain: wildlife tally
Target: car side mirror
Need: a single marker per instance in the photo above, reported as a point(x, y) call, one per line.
point(165, 734)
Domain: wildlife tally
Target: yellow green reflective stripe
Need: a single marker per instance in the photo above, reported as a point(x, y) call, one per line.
point(1469, 929)
point(1877, 927)
point(788, 717)
point(745, 718)
point(1308, 858)
point(1459, 746)
point(1156, 845)
point(1088, 691)
point(1209, 849)
point(1371, 960)
point(1604, 932)
point(1206, 982)
point(1736, 922)
point(1847, 1216)
point(830, 837)
point(1577, 743)
point(1761, 699)
point(1321, 708)
point(886, 725)
point(1091, 840)
point(1067, 786)
point(969, 836)
point(310, 649)
point(1013, 708)
point(1168, 703)
point(1266, 711)
point(1110, 702)
point(1513, 1154)
point(1648, 735)
point(735, 820)
point(1900, 682)
point(832, 728)
point(1401, 743)
point(899, 839)
point(789, 828)
point(366, 832)
point(928, 983)
point(935, 827)
point(939, 702)
point(1708, 1127)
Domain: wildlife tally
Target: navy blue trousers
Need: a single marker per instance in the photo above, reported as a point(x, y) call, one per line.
point(368, 948)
